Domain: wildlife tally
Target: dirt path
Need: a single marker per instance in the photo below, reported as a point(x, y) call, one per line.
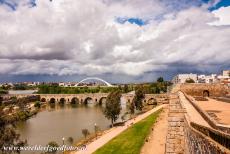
point(90, 148)
point(157, 138)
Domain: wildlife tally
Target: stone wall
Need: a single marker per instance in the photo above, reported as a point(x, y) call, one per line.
point(198, 89)
point(198, 143)
point(175, 136)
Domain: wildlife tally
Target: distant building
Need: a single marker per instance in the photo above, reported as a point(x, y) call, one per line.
point(226, 73)
point(33, 83)
point(225, 77)
point(61, 84)
point(207, 78)
point(181, 78)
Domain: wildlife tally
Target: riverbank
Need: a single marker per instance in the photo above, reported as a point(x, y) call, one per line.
point(92, 147)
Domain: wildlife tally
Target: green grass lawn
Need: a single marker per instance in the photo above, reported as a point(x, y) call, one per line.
point(131, 140)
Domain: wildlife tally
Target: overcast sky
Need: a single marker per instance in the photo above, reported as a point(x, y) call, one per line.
point(117, 40)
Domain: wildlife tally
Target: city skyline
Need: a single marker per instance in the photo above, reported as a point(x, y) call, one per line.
point(119, 41)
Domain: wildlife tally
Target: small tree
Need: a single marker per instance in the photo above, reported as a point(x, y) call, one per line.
point(160, 79)
point(189, 80)
point(37, 104)
point(22, 102)
point(139, 96)
point(113, 106)
point(85, 132)
point(123, 117)
point(132, 107)
point(70, 140)
point(1, 100)
point(126, 88)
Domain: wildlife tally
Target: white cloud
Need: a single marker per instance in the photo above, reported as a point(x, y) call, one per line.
point(69, 37)
point(222, 15)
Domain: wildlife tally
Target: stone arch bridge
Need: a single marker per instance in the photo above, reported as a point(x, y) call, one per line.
point(93, 97)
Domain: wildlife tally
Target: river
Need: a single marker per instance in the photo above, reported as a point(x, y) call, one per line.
point(53, 124)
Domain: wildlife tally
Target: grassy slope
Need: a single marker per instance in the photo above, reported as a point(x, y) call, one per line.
point(131, 140)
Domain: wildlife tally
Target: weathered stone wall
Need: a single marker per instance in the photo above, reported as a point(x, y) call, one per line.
point(175, 136)
point(198, 143)
point(198, 89)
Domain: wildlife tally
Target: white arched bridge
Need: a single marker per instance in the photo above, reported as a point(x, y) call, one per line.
point(95, 78)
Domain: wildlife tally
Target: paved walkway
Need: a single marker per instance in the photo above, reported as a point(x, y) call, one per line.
point(157, 138)
point(92, 147)
point(192, 113)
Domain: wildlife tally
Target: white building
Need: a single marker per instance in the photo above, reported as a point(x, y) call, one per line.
point(61, 84)
point(226, 73)
point(181, 78)
point(208, 78)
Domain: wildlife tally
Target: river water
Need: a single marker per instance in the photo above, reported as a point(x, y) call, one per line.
point(53, 124)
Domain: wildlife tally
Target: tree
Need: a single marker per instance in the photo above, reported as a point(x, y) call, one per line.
point(126, 88)
point(8, 137)
point(160, 79)
point(37, 104)
point(139, 96)
point(189, 80)
point(70, 140)
point(113, 106)
point(1, 100)
point(22, 102)
point(85, 132)
point(132, 108)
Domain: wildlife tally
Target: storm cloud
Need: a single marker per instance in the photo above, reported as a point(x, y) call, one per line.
point(69, 37)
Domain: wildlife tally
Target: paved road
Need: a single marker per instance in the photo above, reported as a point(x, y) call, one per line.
point(192, 113)
point(114, 132)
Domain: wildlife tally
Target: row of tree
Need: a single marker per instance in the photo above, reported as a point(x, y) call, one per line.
point(55, 89)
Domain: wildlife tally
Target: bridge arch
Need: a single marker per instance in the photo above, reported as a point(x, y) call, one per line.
point(88, 100)
point(95, 78)
point(75, 100)
point(52, 100)
point(102, 100)
point(43, 99)
point(62, 100)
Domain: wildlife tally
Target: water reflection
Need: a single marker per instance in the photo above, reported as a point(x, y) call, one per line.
point(57, 121)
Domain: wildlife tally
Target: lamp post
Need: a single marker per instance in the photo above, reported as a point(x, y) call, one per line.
point(63, 142)
point(95, 128)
